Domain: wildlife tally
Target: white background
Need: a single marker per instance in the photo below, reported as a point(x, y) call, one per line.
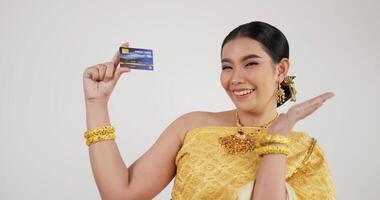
point(46, 45)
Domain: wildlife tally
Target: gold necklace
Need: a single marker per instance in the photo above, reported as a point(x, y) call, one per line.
point(241, 142)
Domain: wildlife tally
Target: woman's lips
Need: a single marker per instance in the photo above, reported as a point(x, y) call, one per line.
point(244, 95)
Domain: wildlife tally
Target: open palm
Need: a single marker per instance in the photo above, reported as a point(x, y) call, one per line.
point(285, 122)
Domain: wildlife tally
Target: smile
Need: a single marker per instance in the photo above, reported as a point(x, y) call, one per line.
point(242, 94)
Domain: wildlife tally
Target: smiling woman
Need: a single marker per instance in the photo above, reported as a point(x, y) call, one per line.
point(215, 163)
point(260, 53)
point(250, 152)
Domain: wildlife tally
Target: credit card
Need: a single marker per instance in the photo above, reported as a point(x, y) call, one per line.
point(135, 58)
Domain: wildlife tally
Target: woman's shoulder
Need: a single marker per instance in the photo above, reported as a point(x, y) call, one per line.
point(195, 114)
point(196, 119)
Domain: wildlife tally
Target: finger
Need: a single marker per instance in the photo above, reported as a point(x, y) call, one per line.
point(109, 71)
point(297, 112)
point(87, 73)
point(91, 73)
point(322, 98)
point(304, 109)
point(119, 71)
point(316, 100)
point(328, 96)
point(116, 58)
point(102, 71)
point(309, 110)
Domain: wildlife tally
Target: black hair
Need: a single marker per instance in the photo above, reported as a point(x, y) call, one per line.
point(273, 40)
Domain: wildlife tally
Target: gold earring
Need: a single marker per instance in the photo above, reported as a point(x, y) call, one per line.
point(288, 82)
point(280, 95)
point(286, 90)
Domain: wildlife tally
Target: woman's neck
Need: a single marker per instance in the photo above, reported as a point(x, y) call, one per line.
point(248, 118)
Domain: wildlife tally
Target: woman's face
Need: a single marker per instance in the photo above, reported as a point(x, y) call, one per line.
point(248, 75)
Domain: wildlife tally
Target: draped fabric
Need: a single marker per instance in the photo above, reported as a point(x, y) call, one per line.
point(206, 171)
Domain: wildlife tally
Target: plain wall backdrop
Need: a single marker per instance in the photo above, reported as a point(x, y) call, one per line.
point(46, 45)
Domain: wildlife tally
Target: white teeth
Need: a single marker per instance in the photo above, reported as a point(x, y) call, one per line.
point(243, 92)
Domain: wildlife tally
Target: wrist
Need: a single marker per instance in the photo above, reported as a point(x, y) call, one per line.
point(96, 102)
point(96, 114)
point(283, 130)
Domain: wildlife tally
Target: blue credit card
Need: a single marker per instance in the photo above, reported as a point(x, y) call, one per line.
point(135, 58)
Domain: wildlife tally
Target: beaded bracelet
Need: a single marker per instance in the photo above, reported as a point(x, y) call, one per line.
point(272, 149)
point(101, 133)
point(275, 138)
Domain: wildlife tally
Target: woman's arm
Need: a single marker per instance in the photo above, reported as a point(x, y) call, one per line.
point(270, 178)
point(310, 178)
point(109, 170)
point(149, 174)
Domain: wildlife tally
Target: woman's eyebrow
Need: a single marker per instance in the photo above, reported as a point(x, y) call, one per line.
point(242, 59)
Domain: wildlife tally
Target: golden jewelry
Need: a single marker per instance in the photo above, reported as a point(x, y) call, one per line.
point(305, 160)
point(275, 138)
point(280, 95)
point(101, 133)
point(241, 142)
point(272, 149)
point(286, 90)
point(288, 81)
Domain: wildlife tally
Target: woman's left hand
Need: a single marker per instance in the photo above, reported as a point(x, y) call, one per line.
point(285, 121)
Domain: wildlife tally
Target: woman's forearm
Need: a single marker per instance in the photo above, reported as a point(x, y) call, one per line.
point(110, 172)
point(270, 178)
point(96, 114)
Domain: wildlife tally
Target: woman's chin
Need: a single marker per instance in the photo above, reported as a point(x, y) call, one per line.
point(245, 106)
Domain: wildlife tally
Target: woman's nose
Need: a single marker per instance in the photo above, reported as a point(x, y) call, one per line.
point(237, 77)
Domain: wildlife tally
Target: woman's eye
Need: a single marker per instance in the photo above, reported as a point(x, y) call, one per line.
point(226, 67)
point(251, 63)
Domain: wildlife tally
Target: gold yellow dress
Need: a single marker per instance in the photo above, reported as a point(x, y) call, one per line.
point(206, 171)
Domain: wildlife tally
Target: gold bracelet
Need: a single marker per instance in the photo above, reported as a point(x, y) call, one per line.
point(272, 149)
point(101, 133)
point(275, 138)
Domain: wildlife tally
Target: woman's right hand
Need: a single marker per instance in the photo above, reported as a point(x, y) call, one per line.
point(99, 80)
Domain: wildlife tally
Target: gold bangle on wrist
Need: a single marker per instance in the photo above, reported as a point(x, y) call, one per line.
point(101, 133)
point(272, 149)
point(275, 138)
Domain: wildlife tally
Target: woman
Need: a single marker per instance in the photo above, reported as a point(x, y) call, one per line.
point(250, 152)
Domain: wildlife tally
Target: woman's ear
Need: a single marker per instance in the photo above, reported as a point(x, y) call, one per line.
point(283, 68)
